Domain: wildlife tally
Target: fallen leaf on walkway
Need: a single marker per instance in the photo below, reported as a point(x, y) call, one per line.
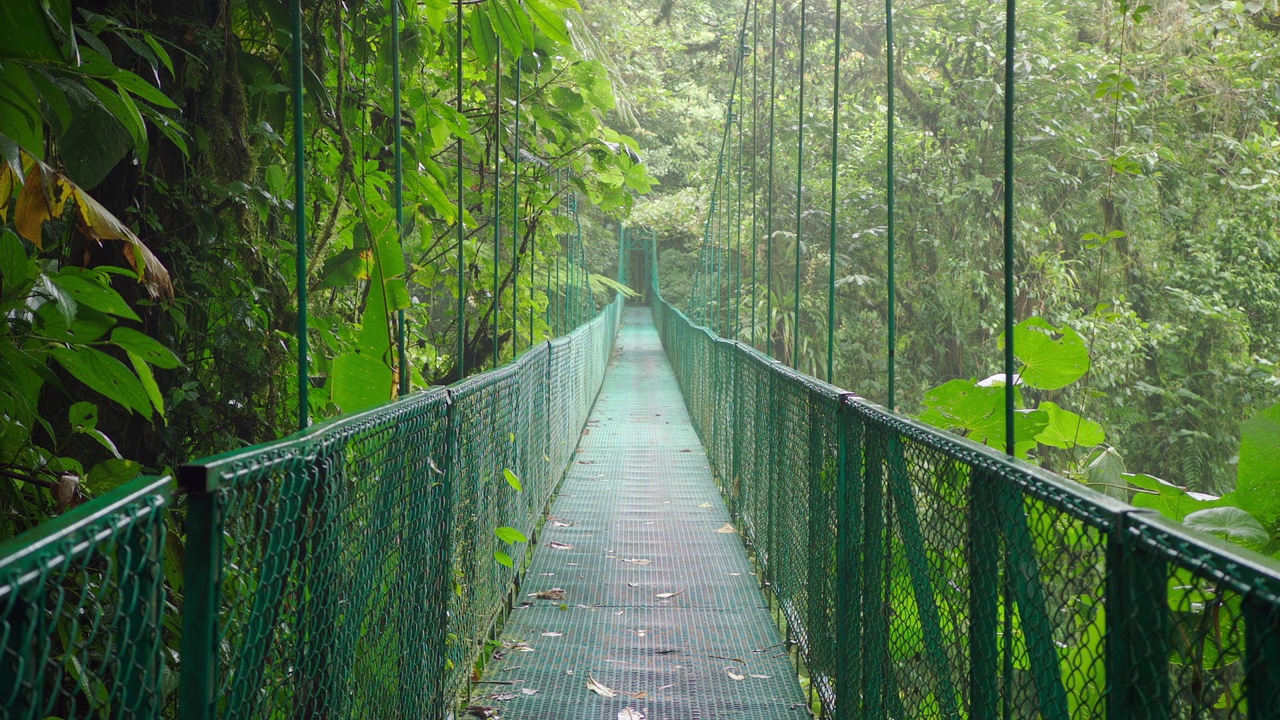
point(637, 695)
point(552, 634)
point(552, 594)
point(503, 696)
point(664, 687)
point(631, 585)
point(686, 450)
point(666, 595)
point(630, 714)
point(528, 691)
point(557, 545)
point(597, 688)
point(726, 528)
point(640, 633)
point(522, 647)
point(637, 561)
point(704, 505)
point(560, 522)
point(482, 711)
point(762, 677)
point(729, 671)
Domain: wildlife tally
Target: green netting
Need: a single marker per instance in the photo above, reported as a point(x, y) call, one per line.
point(927, 576)
point(346, 571)
point(82, 611)
point(352, 569)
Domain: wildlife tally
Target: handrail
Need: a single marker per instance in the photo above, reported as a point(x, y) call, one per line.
point(922, 574)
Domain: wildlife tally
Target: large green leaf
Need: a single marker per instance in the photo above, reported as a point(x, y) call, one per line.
point(145, 347)
point(87, 291)
point(978, 410)
point(106, 375)
point(1066, 429)
point(548, 21)
point(111, 474)
point(25, 33)
point(1230, 523)
point(1168, 499)
point(1258, 474)
point(1052, 357)
point(360, 381)
point(1106, 474)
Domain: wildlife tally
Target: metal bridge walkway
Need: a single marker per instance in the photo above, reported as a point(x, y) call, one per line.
point(660, 604)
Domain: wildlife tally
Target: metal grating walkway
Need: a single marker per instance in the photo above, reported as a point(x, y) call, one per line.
point(646, 520)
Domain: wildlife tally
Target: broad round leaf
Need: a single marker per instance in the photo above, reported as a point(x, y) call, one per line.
point(1230, 523)
point(1053, 357)
point(1066, 429)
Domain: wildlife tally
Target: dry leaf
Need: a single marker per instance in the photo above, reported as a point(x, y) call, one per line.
point(637, 561)
point(557, 545)
point(705, 505)
point(503, 696)
point(559, 522)
point(664, 687)
point(599, 689)
point(640, 633)
point(528, 691)
point(729, 671)
point(482, 711)
point(638, 695)
point(630, 714)
point(726, 528)
point(552, 594)
point(551, 634)
point(762, 677)
point(666, 595)
point(522, 647)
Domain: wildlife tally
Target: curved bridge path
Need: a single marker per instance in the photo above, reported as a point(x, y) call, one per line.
point(640, 588)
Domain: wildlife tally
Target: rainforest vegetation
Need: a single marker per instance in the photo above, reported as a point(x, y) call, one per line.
point(148, 244)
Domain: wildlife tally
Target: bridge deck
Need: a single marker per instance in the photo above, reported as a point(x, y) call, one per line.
point(660, 604)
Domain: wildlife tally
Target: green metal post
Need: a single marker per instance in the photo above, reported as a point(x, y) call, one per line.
point(300, 218)
point(795, 321)
point(202, 583)
point(1262, 658)
point(402, 345)
point(1138, 626)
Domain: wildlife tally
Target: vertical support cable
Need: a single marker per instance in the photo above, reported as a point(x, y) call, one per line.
point(515, 227)
point(462, 264)
point(795, 322)
point(773, 102)
point(835, 156)
point(401, 343)
point(737, 224)
point(1010, 37)
point(891, 355)
point(496, 305)
point(755, 153)
point(300, 221)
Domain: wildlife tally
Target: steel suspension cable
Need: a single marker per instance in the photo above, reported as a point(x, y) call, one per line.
point(496, 304)
point(515, 223)
point(795, 322)
point(462, 264)
point(891, 355)
point(1010, 39)
point(300, 220)
point(755, 153)
point(835, 156)
point(737, 223)
point(401, 331)
point(773, 102)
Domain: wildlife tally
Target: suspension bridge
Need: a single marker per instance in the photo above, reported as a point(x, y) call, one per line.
point(649, 516)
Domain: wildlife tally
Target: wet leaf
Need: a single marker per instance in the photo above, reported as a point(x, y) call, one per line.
point(559, 522)
point(528, 691)
point(603, 691)
point(637, 561)
point(761, 677)
point(503, 696)
point(666, 595)
point(730, 672)
point(726, 529)
point(552, 594)
point(557, 545)
point(552, 634)
point(630, 714)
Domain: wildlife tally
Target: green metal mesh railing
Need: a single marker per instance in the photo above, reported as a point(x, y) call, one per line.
point(81, 610)
point(345, 571)
point(925, 576)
